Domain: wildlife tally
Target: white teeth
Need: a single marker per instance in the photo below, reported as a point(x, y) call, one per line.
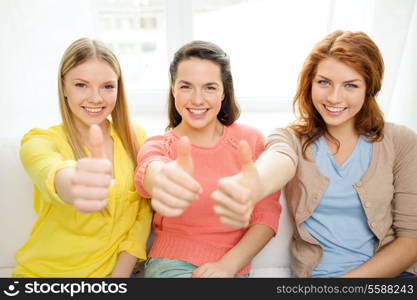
point(93, 110)
point(197, 111)
point(334, 109)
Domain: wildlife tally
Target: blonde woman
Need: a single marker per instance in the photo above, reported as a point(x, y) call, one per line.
point(92, 222)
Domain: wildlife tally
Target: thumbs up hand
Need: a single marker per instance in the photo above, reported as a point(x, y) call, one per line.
point(175, 188)
point(92, 176)
point(235, 197)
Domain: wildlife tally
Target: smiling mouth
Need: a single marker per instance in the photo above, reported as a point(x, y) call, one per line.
point(334, 109)
point(198, 111)
point(93, 110)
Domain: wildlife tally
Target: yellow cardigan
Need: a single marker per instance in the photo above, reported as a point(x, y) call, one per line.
point(65, 242)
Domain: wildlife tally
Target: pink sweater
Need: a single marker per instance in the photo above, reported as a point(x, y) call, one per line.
point(197, 236)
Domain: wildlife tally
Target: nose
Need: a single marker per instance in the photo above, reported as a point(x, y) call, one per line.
point(95, 96)
point(197, 97)
point(334, 95)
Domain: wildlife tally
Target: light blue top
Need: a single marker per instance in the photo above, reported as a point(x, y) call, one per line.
point(339, 222)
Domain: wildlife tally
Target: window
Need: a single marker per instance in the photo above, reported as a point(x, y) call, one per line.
point(135, 31)
point(267, 40)
point(267, 43)
point(266, 56)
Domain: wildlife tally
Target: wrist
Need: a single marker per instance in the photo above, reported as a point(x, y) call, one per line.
point(259, 192)
point(229, 265)
point(119, 275)
point(63, 183)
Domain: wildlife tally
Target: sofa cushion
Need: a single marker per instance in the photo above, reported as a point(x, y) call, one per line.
point(16, 213)
point(17, 218)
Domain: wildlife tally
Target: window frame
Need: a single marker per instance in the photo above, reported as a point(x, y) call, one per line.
point(179, 30)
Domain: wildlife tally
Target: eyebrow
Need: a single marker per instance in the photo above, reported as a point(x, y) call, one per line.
point(189, 83)
point(79, 79)
point(83, 80)
point(347, 81)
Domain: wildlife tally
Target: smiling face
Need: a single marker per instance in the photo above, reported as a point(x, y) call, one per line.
point(91, 91)
point(338, 93)
point(198, 92)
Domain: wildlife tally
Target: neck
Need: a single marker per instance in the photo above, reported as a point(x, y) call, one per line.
point(84, 129)
point(205, 137)
point(343, 133)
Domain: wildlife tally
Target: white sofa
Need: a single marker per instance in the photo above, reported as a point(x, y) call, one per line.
point(17, 217)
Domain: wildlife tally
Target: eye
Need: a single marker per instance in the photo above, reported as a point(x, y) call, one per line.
point(323, 82)
point(351, 85)
point(184, 87)
point(80, 85)
point(109, 86)
point(212, 88)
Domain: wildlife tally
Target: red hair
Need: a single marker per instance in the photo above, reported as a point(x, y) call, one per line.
point(359, 52)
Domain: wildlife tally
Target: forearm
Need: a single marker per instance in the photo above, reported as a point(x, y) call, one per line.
point(251, 243)
point(63, 184)
point(392, 260)
point(124, 265)
point(275, 170)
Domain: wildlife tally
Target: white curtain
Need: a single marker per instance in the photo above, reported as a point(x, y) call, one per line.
point(393, 26)
point(403, 103)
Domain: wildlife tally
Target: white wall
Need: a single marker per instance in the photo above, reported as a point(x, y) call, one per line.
point(30, 52)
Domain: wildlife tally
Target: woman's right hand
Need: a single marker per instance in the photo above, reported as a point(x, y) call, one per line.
point(92, 177)
point(237, 195)
point(174, 188)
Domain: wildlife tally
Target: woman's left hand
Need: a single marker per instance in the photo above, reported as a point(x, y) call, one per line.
point(212, 270)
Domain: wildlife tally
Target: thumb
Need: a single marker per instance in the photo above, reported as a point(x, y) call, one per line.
point(245, 157)
point(95, 140)
point(184, 159)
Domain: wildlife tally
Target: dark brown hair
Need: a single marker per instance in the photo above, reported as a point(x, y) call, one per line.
point(229, 111)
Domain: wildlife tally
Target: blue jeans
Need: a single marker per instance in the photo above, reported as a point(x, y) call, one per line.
point(406, 275)
point(156, 267)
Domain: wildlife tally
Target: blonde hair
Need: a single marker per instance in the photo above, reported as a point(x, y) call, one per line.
point(77, 53)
